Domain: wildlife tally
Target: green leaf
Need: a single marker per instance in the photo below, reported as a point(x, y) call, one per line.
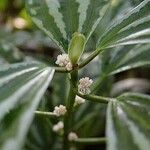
point(76, 47)
point(3, 4)
point(21, 89)
point(39, 134)
point(128, 120)
point(135, 2)
point(59, 92)
point(59, 19)
point(116, 9)
point(133, 28)
point(10, 53)
point(129, 57)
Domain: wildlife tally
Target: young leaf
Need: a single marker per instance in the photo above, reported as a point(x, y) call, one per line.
point(128, 120)
point(133, 28)
point(21, 89)
point(59, 19)
point(76, 47)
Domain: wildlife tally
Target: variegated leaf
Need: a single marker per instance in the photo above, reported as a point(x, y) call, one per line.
point(59, 19)
point(125, 58)
point(129, 57)
point(133, 28)
point(21, 89)
point(128, 120)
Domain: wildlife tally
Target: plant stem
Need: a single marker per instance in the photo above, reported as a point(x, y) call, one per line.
point(46, 114)
point(91, 140)
point(70, 102)
point(95, 98)
point(60, 69)
point(88, 59)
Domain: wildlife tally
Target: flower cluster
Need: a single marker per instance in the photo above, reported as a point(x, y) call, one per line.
point(84, 85)
point(58, 127)
point(60, 110)
point(64, 61)
point(72, 136)
point(79, 100)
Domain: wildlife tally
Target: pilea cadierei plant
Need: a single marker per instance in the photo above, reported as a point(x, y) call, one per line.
point(86, 31)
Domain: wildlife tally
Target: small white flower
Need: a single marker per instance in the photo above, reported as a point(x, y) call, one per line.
point(60, 110)
point(64, 61)
point(79, 100)
point(69, 66)
point(84, 85)
point(72, 136)
point(58, 127)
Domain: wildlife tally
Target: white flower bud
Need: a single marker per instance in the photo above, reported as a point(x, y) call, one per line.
point(84, 85)
point(79, 100)
point(58, 127)
point(64, 61)
point(72, 136)
point(60, 110)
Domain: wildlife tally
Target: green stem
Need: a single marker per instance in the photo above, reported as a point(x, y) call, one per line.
point(88, 59)
point(95, 98)
point(46, 114)
point(91, 140)
point(68, 120)
point(61, 69)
